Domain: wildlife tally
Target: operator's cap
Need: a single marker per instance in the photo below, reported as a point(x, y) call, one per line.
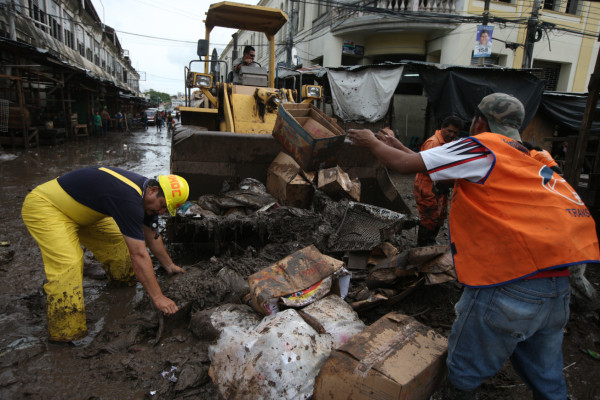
point(504, 114)
point(175, 190)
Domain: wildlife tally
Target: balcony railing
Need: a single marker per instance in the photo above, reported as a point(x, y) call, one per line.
point(333, 16)
point(438, 6)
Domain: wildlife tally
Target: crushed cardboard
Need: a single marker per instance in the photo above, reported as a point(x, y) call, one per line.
point(395, 358)
point(287, 183)
point(298, 271)
point(337, 184)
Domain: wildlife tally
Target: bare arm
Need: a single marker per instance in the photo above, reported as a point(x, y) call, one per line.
point(157, 247)
point(142, 267)
point(400, 159)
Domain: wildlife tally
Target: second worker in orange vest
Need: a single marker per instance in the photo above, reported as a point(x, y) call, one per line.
point(432, 199)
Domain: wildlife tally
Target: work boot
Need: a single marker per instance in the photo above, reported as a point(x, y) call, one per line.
point(451, 392)
point(426, 237)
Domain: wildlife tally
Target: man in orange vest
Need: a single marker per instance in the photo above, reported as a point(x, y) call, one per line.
point(515, 229)
point(432, 199)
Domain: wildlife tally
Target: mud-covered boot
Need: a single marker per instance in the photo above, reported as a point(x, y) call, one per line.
point(426, 237)
point(450, 392)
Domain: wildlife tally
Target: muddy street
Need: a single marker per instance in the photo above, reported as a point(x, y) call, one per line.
point(130, 352)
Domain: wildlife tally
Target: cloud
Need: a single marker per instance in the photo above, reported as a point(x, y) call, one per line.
point(142, 26)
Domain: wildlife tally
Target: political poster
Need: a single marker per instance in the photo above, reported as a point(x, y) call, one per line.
point(483, 41)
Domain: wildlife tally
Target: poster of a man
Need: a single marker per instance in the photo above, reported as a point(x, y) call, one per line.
point(483, 43)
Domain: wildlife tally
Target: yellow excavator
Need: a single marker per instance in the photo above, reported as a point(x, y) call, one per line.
point(225, 126)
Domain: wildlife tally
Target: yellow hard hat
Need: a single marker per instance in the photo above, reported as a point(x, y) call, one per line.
point(175, 189)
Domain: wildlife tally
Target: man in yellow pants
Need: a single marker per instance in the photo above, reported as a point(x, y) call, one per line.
point(111, 212)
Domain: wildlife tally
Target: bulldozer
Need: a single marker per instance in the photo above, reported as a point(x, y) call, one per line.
point(226, 126)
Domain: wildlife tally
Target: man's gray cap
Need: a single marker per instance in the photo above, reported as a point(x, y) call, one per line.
point(504, 113)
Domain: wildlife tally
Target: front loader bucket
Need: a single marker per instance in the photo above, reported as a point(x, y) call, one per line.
point(206, 159)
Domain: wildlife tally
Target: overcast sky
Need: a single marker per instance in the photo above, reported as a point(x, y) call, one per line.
point(141, 23)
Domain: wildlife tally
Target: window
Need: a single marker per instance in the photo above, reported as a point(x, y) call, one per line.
point(96, 53)
point(118, 73)
point(80, 40)
point(125, 76)
point(322, 7)
point(54, 21)
point(68, 30)
point(553, 5)
point(493, 60)
point(103, 58)
point(573, 7)
point(300, 16)
point(88, 47)
point(37, 11)
point(550, 73)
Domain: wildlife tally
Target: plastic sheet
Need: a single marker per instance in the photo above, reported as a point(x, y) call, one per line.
point(279, 359)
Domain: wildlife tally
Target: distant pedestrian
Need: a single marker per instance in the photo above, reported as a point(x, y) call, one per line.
point(158, 121)
point(105, 121)
point(119, 118)
point(97, 124)
point(144, 120)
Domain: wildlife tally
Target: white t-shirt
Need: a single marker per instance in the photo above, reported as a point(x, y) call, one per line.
point(462, 159)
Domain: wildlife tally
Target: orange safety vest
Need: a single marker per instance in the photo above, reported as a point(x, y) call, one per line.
point(523, 219)
point(544, 157)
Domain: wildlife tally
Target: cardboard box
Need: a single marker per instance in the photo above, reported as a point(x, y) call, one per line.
point(337, 184)
point(300, 270)
point(308, 135)
point(288, 184)
point(395, 358)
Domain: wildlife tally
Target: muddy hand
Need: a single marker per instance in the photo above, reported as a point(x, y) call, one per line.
point(174, 269)
point(361, 137)
point(166, 305)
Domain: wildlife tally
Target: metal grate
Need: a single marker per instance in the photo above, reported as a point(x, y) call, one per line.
point(364, 227)
point(4, 115)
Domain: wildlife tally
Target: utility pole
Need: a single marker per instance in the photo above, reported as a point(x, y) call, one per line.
point(486, 18)
point(290, 41)
point(530, 36)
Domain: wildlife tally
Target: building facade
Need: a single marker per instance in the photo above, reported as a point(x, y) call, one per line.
point(61, 63)
point(563, 39)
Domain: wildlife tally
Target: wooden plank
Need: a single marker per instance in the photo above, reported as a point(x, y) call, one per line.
point(572, 174)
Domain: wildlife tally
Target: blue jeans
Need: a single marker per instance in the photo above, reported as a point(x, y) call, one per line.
point(523, 321)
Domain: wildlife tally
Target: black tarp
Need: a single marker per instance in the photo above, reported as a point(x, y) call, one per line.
point(566, 110)
point(458, 90)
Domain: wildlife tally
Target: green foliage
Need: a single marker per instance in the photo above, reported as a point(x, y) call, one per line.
point(158, 97)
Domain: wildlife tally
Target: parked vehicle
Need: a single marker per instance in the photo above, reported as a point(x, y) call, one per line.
point(151, 114)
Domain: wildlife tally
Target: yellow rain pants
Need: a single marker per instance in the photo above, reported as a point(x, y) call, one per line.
point(60, 225)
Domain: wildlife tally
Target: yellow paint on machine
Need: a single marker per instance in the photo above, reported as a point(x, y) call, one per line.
point(246, 118)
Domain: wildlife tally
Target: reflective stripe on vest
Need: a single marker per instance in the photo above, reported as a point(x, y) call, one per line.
point(524, 218)
point(122, 179)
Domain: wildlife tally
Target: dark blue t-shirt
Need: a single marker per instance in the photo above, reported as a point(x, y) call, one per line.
point(106, 194)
